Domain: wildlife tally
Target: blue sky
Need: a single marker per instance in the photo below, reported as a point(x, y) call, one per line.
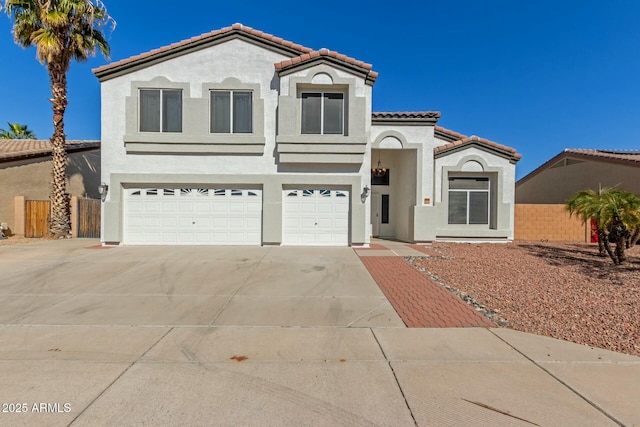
point(539, 76)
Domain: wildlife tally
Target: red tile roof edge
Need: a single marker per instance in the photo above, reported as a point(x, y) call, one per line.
point(613, 156)
point(196, 40)
point(628, 155)
point(316, 54)
point(406, 115)
point(14, 149)
point(453, 135)
point(477, 140)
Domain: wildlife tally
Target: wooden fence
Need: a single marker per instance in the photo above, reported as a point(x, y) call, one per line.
point(37, 218)
point(89, 218)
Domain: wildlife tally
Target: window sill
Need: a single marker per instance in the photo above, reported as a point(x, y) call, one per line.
point(182, 138)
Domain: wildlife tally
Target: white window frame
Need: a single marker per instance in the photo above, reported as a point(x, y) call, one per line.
point(468, 192)
point(162, 91)
point(231, 101)
point(322, 93)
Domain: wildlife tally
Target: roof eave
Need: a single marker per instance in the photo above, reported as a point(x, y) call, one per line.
point(512, 156)
point(406, 121)
point(369, 76)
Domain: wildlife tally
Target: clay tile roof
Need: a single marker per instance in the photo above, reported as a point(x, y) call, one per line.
point(198, 40)
point(407, 115)
point(631, 156)
point(449, 134)
point(312, 55)
point(14, 149)
point(470, 140)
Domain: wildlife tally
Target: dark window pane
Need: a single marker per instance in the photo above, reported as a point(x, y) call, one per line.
point(311, 110)
point(220, 112)
point(380, 180)
point(385, 209)
point(468, 183)
point(172, 111)
point(478, 207)
point(457, 207)
point(149, 110)
point(333, 117)
point(242, 112)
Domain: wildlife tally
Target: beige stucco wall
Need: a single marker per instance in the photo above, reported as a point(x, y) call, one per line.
point(31, 178)
point(557, 185)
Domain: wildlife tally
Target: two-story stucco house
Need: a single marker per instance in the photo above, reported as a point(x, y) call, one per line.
point(237, 137)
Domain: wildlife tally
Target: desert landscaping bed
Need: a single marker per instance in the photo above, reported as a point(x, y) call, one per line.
point(561, 290)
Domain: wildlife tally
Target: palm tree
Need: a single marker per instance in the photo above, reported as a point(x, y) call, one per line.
point(617, 214)
point(17, 131)
point(60, 30)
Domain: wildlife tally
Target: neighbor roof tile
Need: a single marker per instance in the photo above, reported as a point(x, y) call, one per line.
point(13, 149)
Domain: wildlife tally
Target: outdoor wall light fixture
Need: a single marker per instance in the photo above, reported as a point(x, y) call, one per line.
point(365, 193)
point(102, 190)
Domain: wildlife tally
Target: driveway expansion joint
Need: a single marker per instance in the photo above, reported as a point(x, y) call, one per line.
point(573, 390)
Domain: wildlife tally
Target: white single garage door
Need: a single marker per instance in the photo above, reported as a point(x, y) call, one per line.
point(192, 216)
point(315, 217)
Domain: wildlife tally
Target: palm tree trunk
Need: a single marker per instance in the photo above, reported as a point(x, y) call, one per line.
point(603, 236)
point(620, 250)
point(633, 238)
point(60, 206)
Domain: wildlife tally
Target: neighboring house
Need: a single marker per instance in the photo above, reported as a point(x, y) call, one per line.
point(25, 170)
point(573, 170)
point(540, 211)
point(241, 137)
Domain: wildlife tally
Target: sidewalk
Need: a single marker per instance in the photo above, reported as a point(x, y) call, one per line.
point(419, 301)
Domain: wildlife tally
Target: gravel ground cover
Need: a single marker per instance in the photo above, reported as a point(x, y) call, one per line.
point(561, 290)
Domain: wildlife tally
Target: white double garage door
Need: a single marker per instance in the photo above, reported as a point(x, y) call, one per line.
point(232, 216)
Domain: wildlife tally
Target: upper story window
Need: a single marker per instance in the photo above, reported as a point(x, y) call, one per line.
point(468, 200)
point(160, 110)
point(231, 111)
point(323, 113)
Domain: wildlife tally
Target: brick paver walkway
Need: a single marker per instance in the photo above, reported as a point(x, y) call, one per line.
point(419, 301)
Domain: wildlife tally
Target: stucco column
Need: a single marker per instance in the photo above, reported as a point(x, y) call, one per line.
point(74, 216)
point(18, 215)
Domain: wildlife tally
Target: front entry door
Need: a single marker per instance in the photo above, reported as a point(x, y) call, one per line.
point(375, 214)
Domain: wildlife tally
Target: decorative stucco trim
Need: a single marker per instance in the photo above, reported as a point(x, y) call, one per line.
point(390, 133)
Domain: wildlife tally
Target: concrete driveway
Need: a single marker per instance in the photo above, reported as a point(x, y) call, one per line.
point(268, 336)
point(64, 283)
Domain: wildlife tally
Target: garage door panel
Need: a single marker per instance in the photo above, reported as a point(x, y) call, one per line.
point(326, 223)
point(314, 217)
point(236, 208)
point(187, 216)
point(185, 206)
point(169, 222)
point(236, 223)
